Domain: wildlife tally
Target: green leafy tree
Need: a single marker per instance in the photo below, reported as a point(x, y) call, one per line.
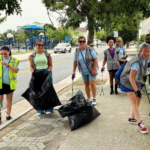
point(100, 35)
point(118, 13)
point(50, 26)
point(142, 38)
point(61, 33)
point(128, 35)
point(9, 7)
point(4, 35)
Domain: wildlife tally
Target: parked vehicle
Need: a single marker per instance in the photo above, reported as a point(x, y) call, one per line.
point(62, 47)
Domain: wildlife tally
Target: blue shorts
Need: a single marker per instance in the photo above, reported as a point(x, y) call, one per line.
point(124, 89)
point(88, 77)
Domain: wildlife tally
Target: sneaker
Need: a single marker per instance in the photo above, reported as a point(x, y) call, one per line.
point(39, 112)
point(8, 118)
point(111, 92)
point(89, 100)
point(94, 102)
point(142, 128)
point(48, 112)
point(116, 92)
point(132, 121)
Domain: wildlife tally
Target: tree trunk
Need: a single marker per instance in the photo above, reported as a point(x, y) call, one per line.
point(91, 23)
point(90, 36)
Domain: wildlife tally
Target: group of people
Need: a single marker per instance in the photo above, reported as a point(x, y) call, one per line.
point(86, 59)
point(131, 78)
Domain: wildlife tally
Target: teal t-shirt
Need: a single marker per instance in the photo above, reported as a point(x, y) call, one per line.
point(41, 61)
point(6, 79)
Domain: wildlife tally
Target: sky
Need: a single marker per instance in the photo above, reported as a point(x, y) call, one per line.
point(32, 11)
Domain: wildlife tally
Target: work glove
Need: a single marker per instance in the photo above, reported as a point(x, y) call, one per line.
point(73, 76)
point(138, 94)
point(103, 69)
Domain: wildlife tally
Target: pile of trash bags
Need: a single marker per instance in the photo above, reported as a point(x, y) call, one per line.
point(79, 111)
point(41, 93)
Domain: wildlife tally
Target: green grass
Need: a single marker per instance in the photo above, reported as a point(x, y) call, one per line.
point(136, 46)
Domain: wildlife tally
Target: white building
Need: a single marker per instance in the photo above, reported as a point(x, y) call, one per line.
point(145, 27)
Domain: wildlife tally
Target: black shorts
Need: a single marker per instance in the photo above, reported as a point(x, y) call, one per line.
point(6, 89)
point(112, 70)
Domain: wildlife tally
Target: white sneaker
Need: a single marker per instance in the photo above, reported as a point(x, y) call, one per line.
point(48, 112)
point(39, 114)
point(94, 102)
point(89, 100)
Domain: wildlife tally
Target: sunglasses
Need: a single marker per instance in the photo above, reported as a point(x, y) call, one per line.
point(3, 53)
point(92, 45)
point(40, 45)
point(81, 41)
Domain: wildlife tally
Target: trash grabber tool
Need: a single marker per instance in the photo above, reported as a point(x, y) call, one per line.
point(1, 111)
point(72, 83)
point(102, 89)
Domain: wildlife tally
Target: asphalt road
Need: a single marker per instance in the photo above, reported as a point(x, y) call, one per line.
point(62, 68)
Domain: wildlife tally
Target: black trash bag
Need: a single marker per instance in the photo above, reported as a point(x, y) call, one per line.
point(84, 116)
point(73, 105)
point(41, 93)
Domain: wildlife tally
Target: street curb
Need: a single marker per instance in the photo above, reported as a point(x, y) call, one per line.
point(28, 59)
point(26, 111)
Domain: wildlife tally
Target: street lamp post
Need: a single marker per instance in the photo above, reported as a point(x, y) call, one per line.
point(9, 36)
point(45, 37)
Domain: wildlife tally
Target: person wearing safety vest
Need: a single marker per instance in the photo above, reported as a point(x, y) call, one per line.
point(8, 78)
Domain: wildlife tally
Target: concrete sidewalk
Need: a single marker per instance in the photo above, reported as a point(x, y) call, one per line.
point(110, 131)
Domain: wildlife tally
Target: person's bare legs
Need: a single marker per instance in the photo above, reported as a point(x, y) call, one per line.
point(9, 103)
point(93, 88)
point(87, 89)
point(134, 106)
point(1, 101)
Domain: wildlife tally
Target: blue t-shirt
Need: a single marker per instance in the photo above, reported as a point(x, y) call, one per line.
point(135, 65)
point(139, 49)
point(83, 66)
point(6, 79)
point(121, 50)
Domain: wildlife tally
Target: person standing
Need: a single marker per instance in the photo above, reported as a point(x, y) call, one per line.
point(40, 61)
point(131, 81)
point(111, 56)
point(121, 49)
point(85, 59)
point(8, 78)
point(147, 41)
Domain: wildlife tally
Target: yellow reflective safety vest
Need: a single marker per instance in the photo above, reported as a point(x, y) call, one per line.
point(13, 76)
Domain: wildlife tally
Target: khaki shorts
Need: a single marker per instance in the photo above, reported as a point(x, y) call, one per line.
point(148, 71)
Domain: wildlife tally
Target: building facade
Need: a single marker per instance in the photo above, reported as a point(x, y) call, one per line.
point(145, 27)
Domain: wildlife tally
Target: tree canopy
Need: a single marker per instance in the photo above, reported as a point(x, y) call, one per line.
point(9, 7)
point(118, 14)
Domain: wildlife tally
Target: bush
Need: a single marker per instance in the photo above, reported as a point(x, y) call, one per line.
point(74, 41)
point(136, 46)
